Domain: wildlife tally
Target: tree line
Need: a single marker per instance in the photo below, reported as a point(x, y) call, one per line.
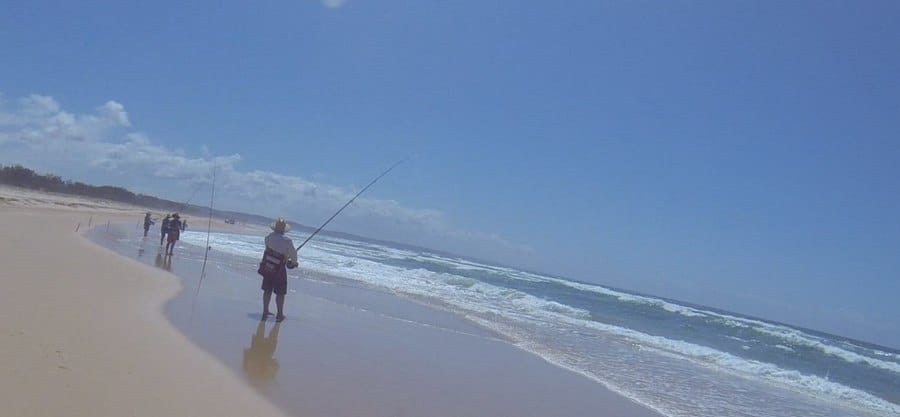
point(19, 176)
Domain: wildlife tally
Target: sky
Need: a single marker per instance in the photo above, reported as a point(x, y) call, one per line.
point(742, 155)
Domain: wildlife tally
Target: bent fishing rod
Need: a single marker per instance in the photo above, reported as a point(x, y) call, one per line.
point(348, 203)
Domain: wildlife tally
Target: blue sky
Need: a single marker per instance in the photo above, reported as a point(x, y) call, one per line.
point(743, 155)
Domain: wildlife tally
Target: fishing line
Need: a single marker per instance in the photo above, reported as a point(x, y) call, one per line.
point(348, 203)
point(209, 225)
point(199, 186)
point(188, 201)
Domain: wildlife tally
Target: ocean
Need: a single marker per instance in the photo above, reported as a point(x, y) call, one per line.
point(677, 358)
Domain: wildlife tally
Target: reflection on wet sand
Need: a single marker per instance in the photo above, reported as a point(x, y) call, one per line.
point(164, 262)
point(260, 365)
point(352, 336)
point(142, 248)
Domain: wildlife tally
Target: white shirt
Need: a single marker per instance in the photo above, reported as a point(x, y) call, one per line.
point(282, 244)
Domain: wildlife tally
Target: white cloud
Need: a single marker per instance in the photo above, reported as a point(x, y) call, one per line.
point(40, 120)
point(37, 105)
point(38, 130)
point(116, 112)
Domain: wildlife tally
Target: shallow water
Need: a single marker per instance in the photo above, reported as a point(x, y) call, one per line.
point(683, 359)
point(349, 349)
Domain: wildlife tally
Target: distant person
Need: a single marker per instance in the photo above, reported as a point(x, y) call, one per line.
point(183, 225)
point(147, 223)
point(163, 229)
point(280, 254)
point(172, 234)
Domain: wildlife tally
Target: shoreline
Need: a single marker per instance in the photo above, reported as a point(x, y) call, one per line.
point(614, 356)
point(83, 334)
point(352, 359)
point(346, 353)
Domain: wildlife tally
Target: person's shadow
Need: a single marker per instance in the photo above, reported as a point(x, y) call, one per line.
point(260, 365)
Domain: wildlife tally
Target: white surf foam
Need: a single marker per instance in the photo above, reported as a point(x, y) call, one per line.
point(790, 335)
point(484, 300)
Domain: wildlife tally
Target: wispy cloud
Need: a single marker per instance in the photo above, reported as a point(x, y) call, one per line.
point(39, 129)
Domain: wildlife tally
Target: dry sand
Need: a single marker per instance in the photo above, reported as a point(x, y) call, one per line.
point(97, 211)
point(81, 329)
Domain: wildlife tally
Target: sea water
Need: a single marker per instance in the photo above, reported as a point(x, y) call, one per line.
point(678, 358)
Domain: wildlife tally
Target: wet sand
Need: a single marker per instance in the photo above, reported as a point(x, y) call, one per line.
point(349, 350)
point(82, 331)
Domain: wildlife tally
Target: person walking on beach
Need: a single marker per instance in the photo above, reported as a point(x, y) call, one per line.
point(173, 233)
point(163, 229)
point(280, 255)
point(147, 223)
point(183, 225)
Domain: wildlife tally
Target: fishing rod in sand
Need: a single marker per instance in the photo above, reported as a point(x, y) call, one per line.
point(348, 203)
point(209, 224)
point(212, 195)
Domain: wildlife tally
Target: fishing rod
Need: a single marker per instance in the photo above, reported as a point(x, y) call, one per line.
point(199, 186)
point(209, 226)
point(348, 203)
point(212, 195)
point(188, 201)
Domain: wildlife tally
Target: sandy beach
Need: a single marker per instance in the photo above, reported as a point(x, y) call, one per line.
point(82, 331)
point(89, 332)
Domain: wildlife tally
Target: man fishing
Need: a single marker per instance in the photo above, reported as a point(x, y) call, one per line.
point(280, 255)
point(173, 232)
point(163, 229)
point(147, 223)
